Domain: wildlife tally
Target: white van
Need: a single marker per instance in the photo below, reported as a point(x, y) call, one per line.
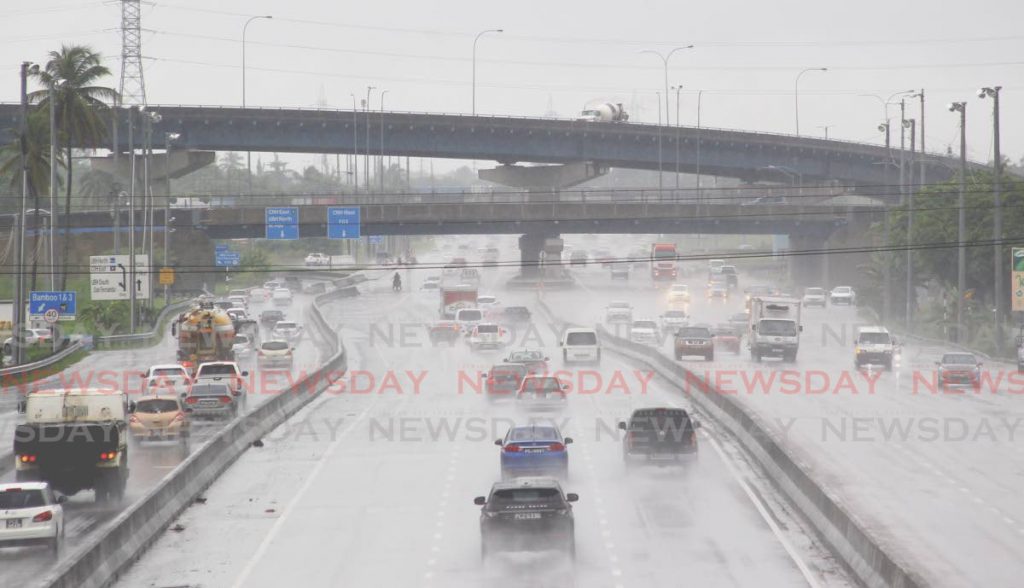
point(468, 318)
point(580, 344)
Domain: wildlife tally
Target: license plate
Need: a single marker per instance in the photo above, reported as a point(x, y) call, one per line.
point(534, 450)
point(208, 404)
point(526, 516)
point(13, 523)
point(662, 456)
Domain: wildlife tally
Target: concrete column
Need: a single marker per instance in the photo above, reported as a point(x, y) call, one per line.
point(530, 247)
point(807, 270)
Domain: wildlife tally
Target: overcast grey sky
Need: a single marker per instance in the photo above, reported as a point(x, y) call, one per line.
point(567, 53)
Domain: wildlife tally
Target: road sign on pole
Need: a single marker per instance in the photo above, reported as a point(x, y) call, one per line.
point(223, 256)
point(343, 222)
point(62, 305)
point(376, 239)
point(109, 277)
point(282, 223)
point(166, 276)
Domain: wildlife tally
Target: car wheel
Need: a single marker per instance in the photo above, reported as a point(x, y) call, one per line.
point(565, 357)
point(570, 549)
point(755, 356)
point(54, 545)
point(7, 349)
point(709, 356)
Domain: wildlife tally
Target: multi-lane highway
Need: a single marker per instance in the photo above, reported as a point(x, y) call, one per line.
point(149, 462)
point(374, 485)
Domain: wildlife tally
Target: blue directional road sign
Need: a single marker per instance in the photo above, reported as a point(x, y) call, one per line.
point(376, 239)
point(224, 257)
point(65, 304)
point(343, 222)
point(282, 223)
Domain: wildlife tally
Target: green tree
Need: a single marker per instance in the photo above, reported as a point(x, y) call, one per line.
point(73, 73)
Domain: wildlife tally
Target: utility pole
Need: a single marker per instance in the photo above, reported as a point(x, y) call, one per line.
point(366, 109)
point(961, 259)
point(997, 213)
point(660, 175)
point(381, 166)
point(677, 89)
point(923, 152)
point(131, 220)
point(53, 181)
point(910, 231)
point(18, 311)
point(355, 144)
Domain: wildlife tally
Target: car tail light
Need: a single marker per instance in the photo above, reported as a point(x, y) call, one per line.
point(108, 456)
point(191, 400)
point(225, 399)
point(556, 447)
point(179, 417)
point(27, 458)
point(631, 435)
point(260, 353)
point(512, 449)
point(133, 419)
point(43, 517)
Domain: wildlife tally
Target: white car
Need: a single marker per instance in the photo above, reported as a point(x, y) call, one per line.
point(842, 295)
point(239, 302)
point(239, 292)
point(286, 331)
point(275, 354)
point(259, 295)
point(815, 297)
point(237, 314)
point(618, 312)
point(30, 514)
point(226, 372)
point(486, 336)
point(678, 293)
point(580, 344)
point(243, 346)
point(644, 331)
point(673, 319)
point(28, 338)
point(318, 260)
point(272, 285)
point(281, 297)
point(486, 301)
point(167, 378)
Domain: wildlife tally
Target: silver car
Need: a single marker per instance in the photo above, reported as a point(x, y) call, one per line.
point(213, 400)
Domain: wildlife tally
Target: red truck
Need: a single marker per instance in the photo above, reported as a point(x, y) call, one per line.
point(663, 261)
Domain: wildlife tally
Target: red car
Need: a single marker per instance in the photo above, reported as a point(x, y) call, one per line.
point(726, 337)
point(535, 361)
point(444, 332)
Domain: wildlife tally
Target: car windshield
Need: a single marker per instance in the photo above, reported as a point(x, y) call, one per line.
point(491, 329)
point(517, 310)
point(645, 325)
point(524, 356)
point(508, 371)
point(284, 325)
point(470, 315)
point(217, 370)
point(841, 290)
point(156, 405)
point(696, 332)
point(778, 328)
point(541, 385)
point(13, 499)
point(534, 434)
point(274, 345)
point(959, 359)
point(485, 300)
point(272, 314)
point(814, 292)
point(680, 288)
point(675, 314)
point(874, 338)
point(660, 420)
point(511, 496)
point(167, 373)
point(619, 305)
point(581, 338)
point(242, 339)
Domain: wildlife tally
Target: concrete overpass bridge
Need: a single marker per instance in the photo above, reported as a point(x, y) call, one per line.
point(745, 155)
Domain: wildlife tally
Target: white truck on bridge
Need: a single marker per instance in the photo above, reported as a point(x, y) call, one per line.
point(604, 112)
point(774, 328)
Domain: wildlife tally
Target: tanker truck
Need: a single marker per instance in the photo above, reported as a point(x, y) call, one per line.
point(604, 112)
point(204, 333)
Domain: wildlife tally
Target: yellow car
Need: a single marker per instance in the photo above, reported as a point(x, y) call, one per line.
point(159, 418)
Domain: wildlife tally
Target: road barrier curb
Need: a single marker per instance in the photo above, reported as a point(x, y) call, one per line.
point(866, 557)
point(124, 539)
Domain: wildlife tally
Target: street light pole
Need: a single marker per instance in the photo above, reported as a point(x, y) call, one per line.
point(366, 109)
point(355, 143)
point(475, 39)
point(677, 89)
point(131, 220)
point(660, 175)
point(910, 230)
point(245, 27)
point(796, 93)
point(381, 165)
point(699, 194)
point(18, 312)
point(997, 212)
point(961, 259)
point(53, 178)
point(664, 61)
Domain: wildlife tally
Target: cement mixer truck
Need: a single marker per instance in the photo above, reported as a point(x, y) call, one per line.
point(204, 333)
point(603, 112)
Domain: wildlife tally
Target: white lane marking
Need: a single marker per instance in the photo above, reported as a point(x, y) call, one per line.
point(297, 497)
point(804, 570)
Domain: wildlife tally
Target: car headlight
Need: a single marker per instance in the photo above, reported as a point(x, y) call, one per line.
point(859, 350)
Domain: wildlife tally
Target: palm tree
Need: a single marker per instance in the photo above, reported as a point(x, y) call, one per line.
point(38, 160)
point(73, 73)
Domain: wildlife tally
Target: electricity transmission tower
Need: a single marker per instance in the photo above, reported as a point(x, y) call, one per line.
point(133, 84)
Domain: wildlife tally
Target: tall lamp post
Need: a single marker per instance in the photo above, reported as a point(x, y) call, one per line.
point(245, 27)
point(664, 62)
point(997, 211)
point(677, 89)
point(796, 93)
point(17, 313)
point(475, 39)
point(961, 224)
point(366, 162)
point(700, 93)
point(912, 125)
point(381, 164)
point(355, 142)
point(168, 219)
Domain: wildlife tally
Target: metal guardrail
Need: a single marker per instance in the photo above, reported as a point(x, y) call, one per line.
point(156, 333)
point(42, 363)
point(121, 542)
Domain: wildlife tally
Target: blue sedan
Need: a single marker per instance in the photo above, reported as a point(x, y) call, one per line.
point(535, 450)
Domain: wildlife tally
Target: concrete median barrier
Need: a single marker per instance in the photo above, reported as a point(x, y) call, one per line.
point(124, 539)
point(872, 561)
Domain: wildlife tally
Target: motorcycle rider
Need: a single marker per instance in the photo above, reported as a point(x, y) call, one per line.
point(396, 283)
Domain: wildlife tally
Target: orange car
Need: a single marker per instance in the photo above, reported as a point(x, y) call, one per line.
point(159, 418)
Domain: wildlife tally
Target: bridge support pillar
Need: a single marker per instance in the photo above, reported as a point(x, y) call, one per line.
point(539, 252)
point(808, 269)
point(543, 177)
